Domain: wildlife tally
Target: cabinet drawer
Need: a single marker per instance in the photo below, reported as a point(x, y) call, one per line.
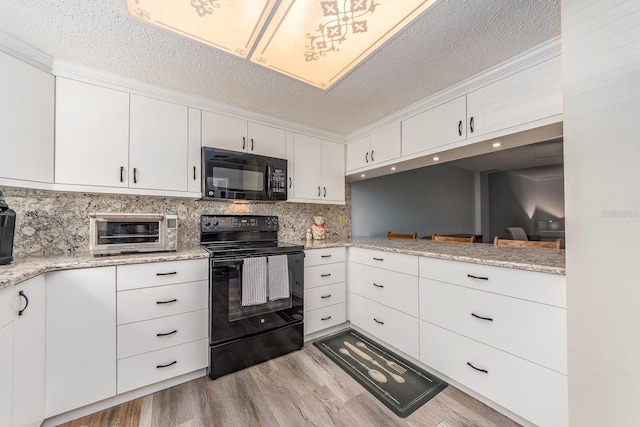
point(392, 326)
point(6, 305)
point(396, 290)
point(139, 371)
point(323, 296)
point(531, 391)
point(156, 334)
point(151, 303)
point(536, 332)
point(320, 275)
point(407, 264)
point(324, 317)
point(529, 285)
point(161, 273)
point(323, 256)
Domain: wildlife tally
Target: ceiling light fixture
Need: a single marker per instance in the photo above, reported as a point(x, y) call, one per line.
point(393, 168)
point(435, 159)
point(496, 144)
point(363, 175)
point(317, 42)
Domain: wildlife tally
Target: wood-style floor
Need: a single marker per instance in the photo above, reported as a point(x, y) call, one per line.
point(303, 388)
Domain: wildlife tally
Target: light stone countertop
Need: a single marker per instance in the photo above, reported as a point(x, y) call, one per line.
point(24, 268)
point(530, 259)
point(539, 260)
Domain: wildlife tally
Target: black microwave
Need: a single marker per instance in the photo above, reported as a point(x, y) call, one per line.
point(234, 175)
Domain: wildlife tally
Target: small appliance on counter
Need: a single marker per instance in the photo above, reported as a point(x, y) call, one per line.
point(7, 230)
point(117, 234)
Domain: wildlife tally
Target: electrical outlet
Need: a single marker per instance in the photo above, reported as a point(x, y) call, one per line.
point(343, 220)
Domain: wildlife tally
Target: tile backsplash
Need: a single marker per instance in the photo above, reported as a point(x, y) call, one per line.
point(52, 222)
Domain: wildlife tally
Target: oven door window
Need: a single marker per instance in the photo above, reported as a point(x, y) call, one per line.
point(229, 319)
point(229, 177)
point(115, 233)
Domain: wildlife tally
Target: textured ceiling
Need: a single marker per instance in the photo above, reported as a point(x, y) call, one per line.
point(453, 40)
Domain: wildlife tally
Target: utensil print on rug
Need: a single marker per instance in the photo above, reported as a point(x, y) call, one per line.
point(393, 365)
point(368, 358)
point(376, 375)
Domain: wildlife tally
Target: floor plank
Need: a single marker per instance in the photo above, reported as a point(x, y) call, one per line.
point(300, 389)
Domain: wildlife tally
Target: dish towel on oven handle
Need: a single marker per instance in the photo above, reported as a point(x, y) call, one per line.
point(254, 281)
point(278, 277)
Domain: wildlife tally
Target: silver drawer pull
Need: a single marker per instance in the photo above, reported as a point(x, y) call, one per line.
point(482, 318)
point(167, 274)
point(378, 259)
point(167, 302)
point(478, 369)
point(167, 365)
point(477, 277)
point(382, 323)
point(326, 318)
point(168, 333)
point(378, 286)
point(325, 296)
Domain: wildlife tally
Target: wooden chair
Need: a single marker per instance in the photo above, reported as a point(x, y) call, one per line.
point(506, 243)
point(391, 235)
point(436, 238)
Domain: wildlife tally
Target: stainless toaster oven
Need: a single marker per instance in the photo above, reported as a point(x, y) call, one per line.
point(114, 234)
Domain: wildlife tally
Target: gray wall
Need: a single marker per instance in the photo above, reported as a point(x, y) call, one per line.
point(515, 201)
point(436, 199)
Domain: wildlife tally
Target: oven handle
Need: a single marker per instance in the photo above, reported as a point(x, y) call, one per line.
point(235, 259)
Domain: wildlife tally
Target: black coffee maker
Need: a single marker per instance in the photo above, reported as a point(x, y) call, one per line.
point(7, 229)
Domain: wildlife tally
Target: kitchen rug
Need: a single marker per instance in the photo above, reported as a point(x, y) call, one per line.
point(402, 386)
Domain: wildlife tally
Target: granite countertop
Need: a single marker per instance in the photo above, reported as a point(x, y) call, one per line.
point(539, 260)
point(531, 259)
point(23, 268)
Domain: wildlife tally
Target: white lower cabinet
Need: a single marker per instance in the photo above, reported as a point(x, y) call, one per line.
point(536, 393)
point(324, 289)
point(80, 338)
point(6, 374)
point(148, 368)
point(392, 326)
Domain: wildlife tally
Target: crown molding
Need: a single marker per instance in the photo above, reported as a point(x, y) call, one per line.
point(543, 52)
point(86, 74)
point(22, 51)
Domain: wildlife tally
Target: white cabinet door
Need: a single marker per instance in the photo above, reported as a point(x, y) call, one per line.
point(92, 135)
point(158, 145)
point(385, 143)
point(29, 353)
point(194, 154)
point(307, 157)
point(358, 153)
point(333, 171)
point(436, 127)
point(529, 95)
point(6, 374)
point(266, 140)
point(228, 133)
point(80, 338)
point(26, 121)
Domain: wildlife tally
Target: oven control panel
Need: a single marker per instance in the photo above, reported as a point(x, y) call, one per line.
point(211, 223)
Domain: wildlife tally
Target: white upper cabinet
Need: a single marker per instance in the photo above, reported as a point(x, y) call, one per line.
point(92, 135)
point(378, 147)
point(26, 121)
point(436, 127)
point(532, 94)
point(230, 133)
point(318, 170)
point(194, 178)
point(157, 145)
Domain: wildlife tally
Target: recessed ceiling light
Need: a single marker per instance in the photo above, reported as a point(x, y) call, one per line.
point(393, 168)
point(363, 175)
point(496, 144)
point(316, 42)
point(435, 159)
